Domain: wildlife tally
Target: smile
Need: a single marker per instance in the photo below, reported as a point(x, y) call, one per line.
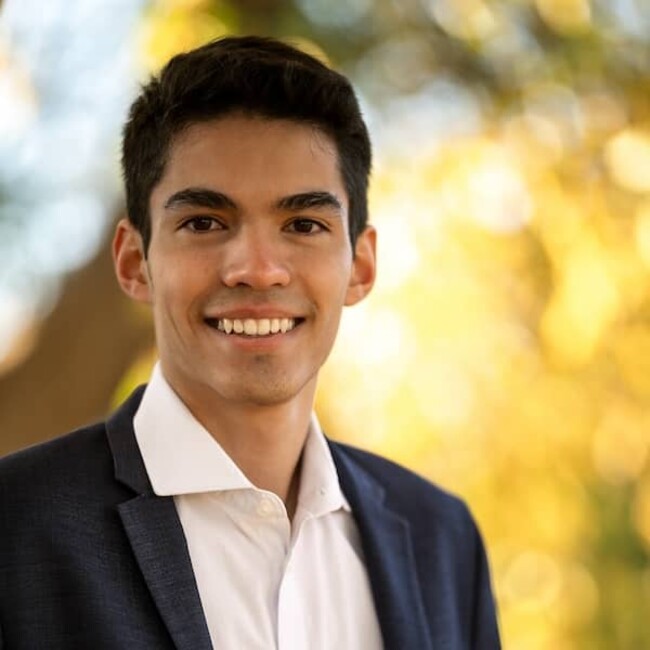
point(254, 326)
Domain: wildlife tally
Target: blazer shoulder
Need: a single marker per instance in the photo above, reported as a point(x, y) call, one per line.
point(71, 458)
point(447, 547)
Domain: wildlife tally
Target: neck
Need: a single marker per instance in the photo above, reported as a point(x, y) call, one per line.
point(265, 442)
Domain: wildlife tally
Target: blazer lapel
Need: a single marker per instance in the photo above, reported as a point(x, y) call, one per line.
point(386, 541)
point(158, 542)
point(156, 537)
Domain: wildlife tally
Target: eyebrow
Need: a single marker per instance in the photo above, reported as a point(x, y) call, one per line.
point(200, 197)
point(309, 200)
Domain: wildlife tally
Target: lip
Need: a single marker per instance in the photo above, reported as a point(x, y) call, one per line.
point(241, 313)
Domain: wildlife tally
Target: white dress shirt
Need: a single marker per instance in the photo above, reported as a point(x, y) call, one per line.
point(265, 582)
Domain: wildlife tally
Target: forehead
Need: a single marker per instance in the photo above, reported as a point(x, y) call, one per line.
point(254, 158)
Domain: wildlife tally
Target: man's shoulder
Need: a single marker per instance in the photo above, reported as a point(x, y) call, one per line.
point(72, 457)
point(414, 496)
point(57, 492)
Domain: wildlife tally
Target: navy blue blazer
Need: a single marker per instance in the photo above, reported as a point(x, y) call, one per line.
point(92, 559)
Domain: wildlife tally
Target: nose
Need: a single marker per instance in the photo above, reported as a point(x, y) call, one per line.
point(254, 260)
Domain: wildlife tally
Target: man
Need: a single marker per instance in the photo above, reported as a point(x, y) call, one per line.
point(210, 510)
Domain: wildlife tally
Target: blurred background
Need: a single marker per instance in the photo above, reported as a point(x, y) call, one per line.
point(505, 353)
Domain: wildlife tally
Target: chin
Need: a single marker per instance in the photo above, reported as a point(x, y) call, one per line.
point(261, 395)
point(261, 386)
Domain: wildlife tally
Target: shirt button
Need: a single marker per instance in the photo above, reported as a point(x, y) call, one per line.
point(265, 508)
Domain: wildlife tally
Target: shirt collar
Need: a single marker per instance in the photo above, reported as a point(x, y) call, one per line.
point(181, 457)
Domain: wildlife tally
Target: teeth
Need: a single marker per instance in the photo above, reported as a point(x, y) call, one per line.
point(263, 327)
point(256, 327)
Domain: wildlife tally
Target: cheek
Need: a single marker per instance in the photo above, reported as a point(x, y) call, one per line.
point(178, 276)
point(333, 289)
point(329, 273)
point(175, 293)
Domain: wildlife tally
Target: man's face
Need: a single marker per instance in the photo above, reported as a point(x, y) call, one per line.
point(249, 230)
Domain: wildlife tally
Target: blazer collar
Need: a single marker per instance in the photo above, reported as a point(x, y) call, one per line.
point(127, 460)
point(156, 536)
point(389, 557)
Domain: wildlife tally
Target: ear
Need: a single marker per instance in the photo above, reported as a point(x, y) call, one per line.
point(130, 262)
point(362, 277)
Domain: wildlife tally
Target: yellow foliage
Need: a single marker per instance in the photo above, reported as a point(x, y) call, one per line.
point(565, 16)
point(628, 158)
point(641, 510)
point(643, 232)
point(466, 19)
point(631, 351)
point(175, 26)
point(583, 306)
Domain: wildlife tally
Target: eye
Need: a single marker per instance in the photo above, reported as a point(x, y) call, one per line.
point(202, 224)
point(306, 226)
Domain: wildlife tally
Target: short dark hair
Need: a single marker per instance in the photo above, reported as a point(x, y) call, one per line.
point(255, 76)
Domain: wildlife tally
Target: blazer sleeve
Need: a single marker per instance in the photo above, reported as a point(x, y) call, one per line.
point(485, 633)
